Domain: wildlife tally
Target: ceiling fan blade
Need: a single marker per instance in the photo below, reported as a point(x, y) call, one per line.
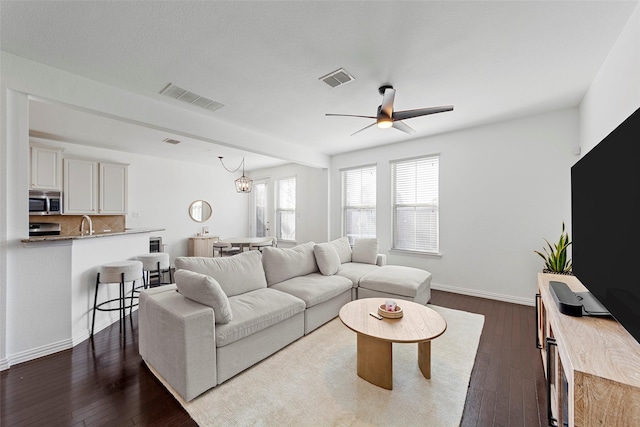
point(387, 101)
point(350, 115)
point(403, 127)
point(366, 127)
point(408, 114)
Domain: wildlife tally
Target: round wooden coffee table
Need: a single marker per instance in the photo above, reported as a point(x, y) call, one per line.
point(375, 338)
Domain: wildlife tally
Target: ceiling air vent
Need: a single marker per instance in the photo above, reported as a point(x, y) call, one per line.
point(184, 95)
point(337, 78)
point(171, 141)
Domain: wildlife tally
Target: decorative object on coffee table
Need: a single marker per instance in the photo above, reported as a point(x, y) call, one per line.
point(390, 310)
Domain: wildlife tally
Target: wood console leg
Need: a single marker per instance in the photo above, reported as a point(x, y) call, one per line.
point(375, 362)
point(424, 358)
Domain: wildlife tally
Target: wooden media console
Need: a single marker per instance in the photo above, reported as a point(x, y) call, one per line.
point(592, 364)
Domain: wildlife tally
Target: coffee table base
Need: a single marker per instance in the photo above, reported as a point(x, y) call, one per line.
point(375, 360)
point(424, 358)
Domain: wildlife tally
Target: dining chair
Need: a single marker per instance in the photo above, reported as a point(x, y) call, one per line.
point(224, 249)
point(261, 244)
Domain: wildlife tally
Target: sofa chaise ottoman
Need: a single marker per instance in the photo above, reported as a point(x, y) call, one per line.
point(396, 281)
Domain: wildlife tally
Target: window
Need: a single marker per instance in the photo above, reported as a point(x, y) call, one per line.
point(260, 221)
point(286, 209)
point(359, 202)
point(415, 204)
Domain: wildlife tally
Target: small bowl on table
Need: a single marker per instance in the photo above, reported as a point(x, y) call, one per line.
point(382, 311)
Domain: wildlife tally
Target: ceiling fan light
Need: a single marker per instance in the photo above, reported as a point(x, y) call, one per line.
point(385, 123)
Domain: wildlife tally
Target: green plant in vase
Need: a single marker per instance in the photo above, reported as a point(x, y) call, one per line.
point(555, 258)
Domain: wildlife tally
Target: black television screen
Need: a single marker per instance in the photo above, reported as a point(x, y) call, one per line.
point(605, 222)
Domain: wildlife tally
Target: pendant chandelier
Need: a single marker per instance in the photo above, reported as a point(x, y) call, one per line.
point(243, 184)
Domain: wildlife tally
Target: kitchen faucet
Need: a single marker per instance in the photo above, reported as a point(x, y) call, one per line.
point(88, 218)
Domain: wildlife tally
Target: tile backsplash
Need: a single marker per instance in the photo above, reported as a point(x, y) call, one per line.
point(70, 224)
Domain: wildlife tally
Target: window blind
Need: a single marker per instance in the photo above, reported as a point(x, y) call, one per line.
point(415, 204)
point(359, 202)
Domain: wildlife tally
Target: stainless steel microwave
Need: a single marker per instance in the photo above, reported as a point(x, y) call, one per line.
point(45, 202)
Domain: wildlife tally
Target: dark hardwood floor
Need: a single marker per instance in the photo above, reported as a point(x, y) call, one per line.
point(108, 384)
point(507, 386)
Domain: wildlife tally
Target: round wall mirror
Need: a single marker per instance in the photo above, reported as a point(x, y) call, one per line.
point(200, 211)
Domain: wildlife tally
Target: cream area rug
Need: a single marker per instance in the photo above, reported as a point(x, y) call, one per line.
point(313, 382)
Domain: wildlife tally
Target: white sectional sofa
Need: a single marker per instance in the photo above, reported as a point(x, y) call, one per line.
point(223, 315)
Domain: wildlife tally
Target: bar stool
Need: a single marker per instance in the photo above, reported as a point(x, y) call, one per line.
point(155, 262)
point(117, 272)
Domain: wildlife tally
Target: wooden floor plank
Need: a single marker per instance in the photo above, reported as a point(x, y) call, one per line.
point(106, 382)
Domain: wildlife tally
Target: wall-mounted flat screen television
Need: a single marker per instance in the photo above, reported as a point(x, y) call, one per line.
point(605, 222)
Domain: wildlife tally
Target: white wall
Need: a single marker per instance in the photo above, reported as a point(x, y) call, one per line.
point(503, 188)
point(311, 199)
point(615, 92)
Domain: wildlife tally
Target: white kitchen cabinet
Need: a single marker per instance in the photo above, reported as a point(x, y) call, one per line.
point(80, 192)
point(113, 188)
point(46, 168)
point(92, 187)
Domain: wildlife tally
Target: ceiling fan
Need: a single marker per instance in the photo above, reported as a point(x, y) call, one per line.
point(386, 117)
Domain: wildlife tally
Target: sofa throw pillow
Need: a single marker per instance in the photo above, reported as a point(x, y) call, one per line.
point(281, 264)
point(205, 290)
point(327, 258)
point(236, 274)
point(343, 248)
point(365, 251)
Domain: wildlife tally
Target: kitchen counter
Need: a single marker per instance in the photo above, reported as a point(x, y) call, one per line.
point(62, 287)
point(127, 231)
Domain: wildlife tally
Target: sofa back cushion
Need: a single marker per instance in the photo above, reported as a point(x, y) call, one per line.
point(205, 290)
point(236, 274)
point(365, 250)
point(281, 264)
point(327, 258)
point(343, 248)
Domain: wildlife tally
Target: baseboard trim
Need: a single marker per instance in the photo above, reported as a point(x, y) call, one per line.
point(35, 353)
point(483, 294)
point(46, 350)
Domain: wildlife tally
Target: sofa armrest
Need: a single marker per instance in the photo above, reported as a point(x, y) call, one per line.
point(381, 260)
point(177, 339)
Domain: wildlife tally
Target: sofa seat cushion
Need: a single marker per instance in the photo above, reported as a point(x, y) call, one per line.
point(314, 288)
point(255, 311)
point(236, 274)
point(397, 279)
point(355, 270)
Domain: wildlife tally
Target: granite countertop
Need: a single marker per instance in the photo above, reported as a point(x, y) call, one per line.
point(127, 231)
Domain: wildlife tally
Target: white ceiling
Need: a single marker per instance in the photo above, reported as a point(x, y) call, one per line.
point(493, 60)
